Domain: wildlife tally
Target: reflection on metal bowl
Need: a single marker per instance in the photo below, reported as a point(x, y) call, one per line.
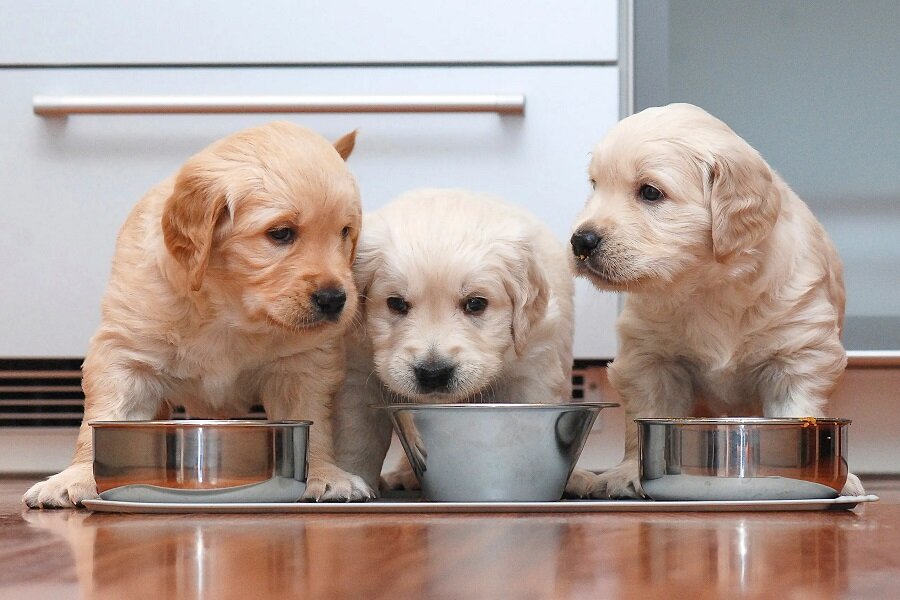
point(743, 458)
point(200, 460)
point(493, 452)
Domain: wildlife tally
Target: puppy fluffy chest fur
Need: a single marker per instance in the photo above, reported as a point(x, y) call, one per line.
point(221, 369)
point(719, 347)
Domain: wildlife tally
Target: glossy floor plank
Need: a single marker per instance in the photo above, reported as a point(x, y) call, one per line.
point(70, 554)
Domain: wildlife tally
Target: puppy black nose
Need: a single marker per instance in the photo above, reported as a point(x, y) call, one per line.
point(330, 301)
point(584, 242)
point(433, 376)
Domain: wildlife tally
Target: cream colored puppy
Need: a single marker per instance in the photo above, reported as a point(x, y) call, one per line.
point(734, 294)
point(465, 299)
point(231, 284)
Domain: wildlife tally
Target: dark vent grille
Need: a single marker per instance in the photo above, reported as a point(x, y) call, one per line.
point(577, 386)
point(46, 392)
point(41, 392)
point(588, 377)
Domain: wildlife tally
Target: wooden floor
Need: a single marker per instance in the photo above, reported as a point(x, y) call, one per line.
point(69, 554)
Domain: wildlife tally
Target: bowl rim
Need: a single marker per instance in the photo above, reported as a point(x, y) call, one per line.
point(792, 421)
point(476, 405)
point(198, 423)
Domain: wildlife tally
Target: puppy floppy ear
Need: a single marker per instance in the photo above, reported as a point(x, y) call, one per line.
point(744, 201)
point(529, 293)
point(189, 219)
point(345, 144)
point(365, 263)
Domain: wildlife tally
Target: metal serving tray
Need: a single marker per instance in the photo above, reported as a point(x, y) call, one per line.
point(407, 506)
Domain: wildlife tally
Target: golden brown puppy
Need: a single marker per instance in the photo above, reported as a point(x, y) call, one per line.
point(231, 284)
point(734, 291)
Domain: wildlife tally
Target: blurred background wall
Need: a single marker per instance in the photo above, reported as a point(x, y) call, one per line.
point(815, 87)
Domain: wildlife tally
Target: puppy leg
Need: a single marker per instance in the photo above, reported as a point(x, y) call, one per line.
point(650, 386)
point(304, 388)
point(581, 483)
point(800, 387)
point(112, 393)
point(362, 434)
point(622, 481)
point(69, 487)
point(853, 487)
point(401, 477)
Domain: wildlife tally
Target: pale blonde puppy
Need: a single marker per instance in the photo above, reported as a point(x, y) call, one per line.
point(465, 299)
point(231, 284)
point(734, 293)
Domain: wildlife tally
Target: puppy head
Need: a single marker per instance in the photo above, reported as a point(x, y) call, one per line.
point(268, 218)
point(451, 290)
point(676, 192)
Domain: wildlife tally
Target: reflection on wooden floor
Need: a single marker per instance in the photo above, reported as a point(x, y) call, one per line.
point(627, 555)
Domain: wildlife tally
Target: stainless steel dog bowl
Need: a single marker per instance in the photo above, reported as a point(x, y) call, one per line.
point(743, 458)
point(200, 460)
point(493, 452)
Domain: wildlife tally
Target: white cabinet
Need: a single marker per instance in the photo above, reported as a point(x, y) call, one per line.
point(207, 32)
point(70, 182)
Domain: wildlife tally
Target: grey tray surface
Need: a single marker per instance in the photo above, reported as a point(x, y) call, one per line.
point(407, 505)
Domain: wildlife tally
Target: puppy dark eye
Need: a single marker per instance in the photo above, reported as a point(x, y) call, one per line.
point(474, 306)
point(281, 235)
point(593, 184)
point(650, 193)
point(398, 305)
point(345, 232)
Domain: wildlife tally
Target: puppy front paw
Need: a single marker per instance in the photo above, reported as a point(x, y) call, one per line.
point(853, 487)
point(400, 479)
point(622, 481)
point(63, 490)
point(329, 483)
point(580, 483)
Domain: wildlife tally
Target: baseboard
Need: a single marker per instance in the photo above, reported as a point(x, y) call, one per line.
point(29, 450)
